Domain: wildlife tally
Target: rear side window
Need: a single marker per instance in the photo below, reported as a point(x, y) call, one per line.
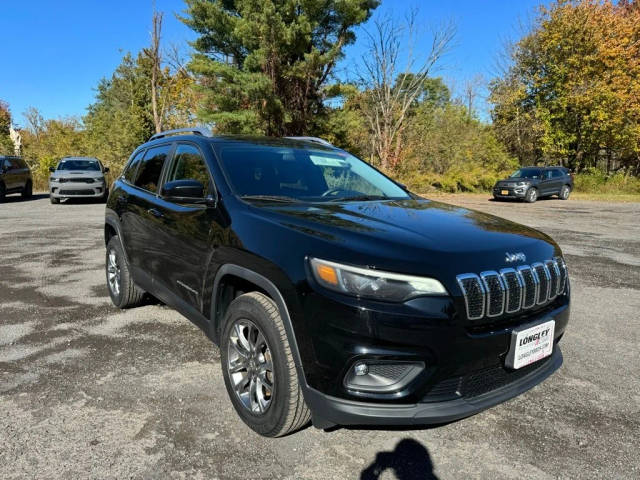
point(558, 173)
point(151, 167)
point(130, 171)
point(189, 164)
point(21, 163)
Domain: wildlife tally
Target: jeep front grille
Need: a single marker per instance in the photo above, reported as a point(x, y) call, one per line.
point(510, 290)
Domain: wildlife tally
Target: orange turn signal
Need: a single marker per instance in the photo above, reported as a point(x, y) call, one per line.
point(327, 274)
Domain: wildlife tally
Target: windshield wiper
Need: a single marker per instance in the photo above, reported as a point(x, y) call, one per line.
point(360, 198)
point(271, 198)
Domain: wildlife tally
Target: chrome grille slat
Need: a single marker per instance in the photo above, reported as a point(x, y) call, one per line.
point(562, 267)
point(474, 294)
point(492, 293)
point(544, 280)
point(514, 289)
point(494, 289)
point(554, 273)
point(530, 281)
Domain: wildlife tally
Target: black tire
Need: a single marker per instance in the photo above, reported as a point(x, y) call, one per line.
point(287, 411)
point(128, 294)
point(27, 191)
point(54, 200)
point(105, 197)
point(3, 192)
point(565, 191)
point(531, 195)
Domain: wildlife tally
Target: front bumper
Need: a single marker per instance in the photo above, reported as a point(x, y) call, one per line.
point(512, 192)
point(77, 190)
point(328, 411)
point(464, 361)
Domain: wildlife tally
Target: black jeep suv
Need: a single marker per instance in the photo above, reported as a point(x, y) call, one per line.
point(15, 177)
point(531, 183)
point(334, 294)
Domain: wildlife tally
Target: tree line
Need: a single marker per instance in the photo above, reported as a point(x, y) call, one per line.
point(568, 92)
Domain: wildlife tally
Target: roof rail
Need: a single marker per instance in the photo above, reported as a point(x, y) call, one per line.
point(202, 131)
point(321, 141)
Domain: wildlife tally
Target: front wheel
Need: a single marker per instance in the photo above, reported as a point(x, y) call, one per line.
point(3, 192)
point(258, 367)
point(531, 196)
point(54, 200)
point(565, 191)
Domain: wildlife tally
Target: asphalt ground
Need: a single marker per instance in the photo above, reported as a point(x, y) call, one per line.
point(89, 391)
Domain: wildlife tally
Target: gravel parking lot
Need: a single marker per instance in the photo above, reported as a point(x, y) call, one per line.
point(88, 391)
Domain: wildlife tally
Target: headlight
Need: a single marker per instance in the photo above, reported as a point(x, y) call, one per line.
point(522, 184)
point(368, 283)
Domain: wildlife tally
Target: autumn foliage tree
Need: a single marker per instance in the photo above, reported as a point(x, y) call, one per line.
point(572, 93)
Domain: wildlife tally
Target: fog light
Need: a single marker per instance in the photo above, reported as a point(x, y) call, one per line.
point(382, 376)
point(361, 369)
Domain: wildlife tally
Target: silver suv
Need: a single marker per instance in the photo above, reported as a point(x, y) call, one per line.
point(78, 177)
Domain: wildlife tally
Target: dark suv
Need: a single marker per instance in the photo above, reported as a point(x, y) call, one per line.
point(15, 177)
point(334, 294)
point(531, 183)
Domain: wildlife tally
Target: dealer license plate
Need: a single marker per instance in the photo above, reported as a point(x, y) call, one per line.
point(530, 344)
point(504, 192)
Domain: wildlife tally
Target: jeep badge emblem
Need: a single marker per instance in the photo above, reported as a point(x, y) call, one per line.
point(514, 257)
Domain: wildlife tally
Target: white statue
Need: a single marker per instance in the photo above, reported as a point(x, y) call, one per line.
point(16, 138)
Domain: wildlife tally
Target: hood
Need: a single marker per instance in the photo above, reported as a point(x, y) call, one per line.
point(413, 235)
point(512, 182)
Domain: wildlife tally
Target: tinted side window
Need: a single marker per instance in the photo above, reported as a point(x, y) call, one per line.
point(558, 173)
point(189, 164)
point(151, 167)
point(130, 172)
point(21, 163)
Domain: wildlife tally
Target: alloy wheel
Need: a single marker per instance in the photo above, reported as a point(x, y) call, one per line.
point(533, 194)
point(250, 366)
point(113, 273)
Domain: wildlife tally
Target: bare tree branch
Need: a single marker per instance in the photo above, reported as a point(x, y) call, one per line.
point(390, 87)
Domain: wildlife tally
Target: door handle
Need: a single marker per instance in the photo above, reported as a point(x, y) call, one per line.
point(155, 212)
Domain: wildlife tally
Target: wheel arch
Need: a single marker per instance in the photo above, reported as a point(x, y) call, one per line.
point(111, 229)
point(249, 280)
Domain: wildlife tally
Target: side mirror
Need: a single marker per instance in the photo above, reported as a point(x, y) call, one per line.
point(52, 169)
point(106, 170)
point(183, 189)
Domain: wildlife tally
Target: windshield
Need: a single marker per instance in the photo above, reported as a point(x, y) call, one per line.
point(527, 173)
point(300, 174)
point(79, 165)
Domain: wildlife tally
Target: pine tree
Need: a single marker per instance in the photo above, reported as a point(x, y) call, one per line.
point(263, 66)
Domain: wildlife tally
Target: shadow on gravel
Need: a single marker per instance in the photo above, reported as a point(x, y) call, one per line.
point(19, 199)
point(410, 460)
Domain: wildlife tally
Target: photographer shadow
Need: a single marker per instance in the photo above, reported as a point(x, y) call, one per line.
point(410, 460)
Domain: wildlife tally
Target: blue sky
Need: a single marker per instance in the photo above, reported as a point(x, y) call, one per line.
point(54, 53)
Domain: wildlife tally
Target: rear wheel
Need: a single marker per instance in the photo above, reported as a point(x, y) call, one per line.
point(532, 195)
point(258, 367)
point(27, 192)
point(565, 191)
point(123, 292)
